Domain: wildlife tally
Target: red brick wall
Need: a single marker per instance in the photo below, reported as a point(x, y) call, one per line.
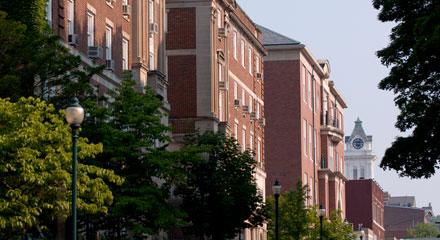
point(103, 11)
point(181, 28)
point(399, 219)
point(283, 129)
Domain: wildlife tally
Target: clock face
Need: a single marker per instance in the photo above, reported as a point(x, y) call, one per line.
point(358, 143)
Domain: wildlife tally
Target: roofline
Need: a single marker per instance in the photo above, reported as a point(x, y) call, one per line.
point(338, 96)
point(304, 50)
point(248, 33)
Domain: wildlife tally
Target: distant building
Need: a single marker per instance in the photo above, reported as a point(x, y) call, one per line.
point(359, 157)
point(399, 201)
point(365, 207)
point(399, 219)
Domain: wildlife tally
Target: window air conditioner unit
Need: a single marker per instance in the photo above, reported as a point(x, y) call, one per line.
point(222, 33)
point(259, 76)
point(154, 28)
point(262, 122)
point(245, 109)
point(237, 103)
point(126, 10)
point(222, 85)
point(253, 115)
point(72, 39)
point(109, 64)
point(94, 52)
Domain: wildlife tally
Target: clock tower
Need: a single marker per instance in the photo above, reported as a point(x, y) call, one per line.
point(359, 158)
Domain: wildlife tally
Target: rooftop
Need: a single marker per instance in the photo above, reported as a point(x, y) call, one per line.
point(273, 38)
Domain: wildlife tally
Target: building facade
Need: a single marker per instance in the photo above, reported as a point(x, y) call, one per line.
point(214, 54)
point(365, 206)
point(304, 114)
point(399, 219)
point(126, 35)
point(359, 157)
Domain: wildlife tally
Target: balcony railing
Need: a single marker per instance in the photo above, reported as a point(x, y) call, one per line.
point(330, 121)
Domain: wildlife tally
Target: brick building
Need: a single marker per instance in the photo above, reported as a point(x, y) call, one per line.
point(365, 206)
point(304, 114)
point(214, 54)
point(122, 35)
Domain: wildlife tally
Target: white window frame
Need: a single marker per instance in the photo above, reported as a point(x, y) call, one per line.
point(234, 44)
point(243, 97)
point(151, 11)
point(303, 81)
point(125, 50)
point(250, 60)
point(49, 12)
point(219, 18)
point(242, 51)
point(257, 64)
point(259, 150)
point(309, 131)
point(257, 114)
point(90, 29)
point(250, 103)
point(251, 141)
point(235, 90)
point(305, 137)
point(236, 129)
point(221, 107)
point(108, 42)
point(243, 138)
point(70, 17)
point(309, 89)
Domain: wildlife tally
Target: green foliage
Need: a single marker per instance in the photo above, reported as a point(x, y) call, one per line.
point(414, 58)
point(36, 63)
point(220, 193)
point(293, 215)
point(424, 230)
point(35, 167)
point(130, 131)
point(29, 12)
point(298, 222)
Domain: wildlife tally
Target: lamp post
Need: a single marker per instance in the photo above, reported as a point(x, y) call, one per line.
point(321, 218)
point(276, 188)
point(74, 116)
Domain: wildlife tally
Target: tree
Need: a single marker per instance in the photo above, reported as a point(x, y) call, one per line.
point(220, 196)
point(33, 61)
point(35, 167)
point(134, 147)
point(414, 58)
point(424, 230)
point(296, 221)
point(293, 214)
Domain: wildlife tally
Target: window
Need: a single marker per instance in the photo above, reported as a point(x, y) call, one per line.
point(219, 18)
point(311, 190)
point(234, 44)
point(315, 139)
point(242, 52)
point(305, 179)
point(330, 155)
point(151, 63)
point(303, 80)
point(257, 64)
point(236, 130)
point(150, 11)
point(310, 140)
point(243, 97)
point(309, 89)
point(250, 60)
point(355, 173)
point(305, 136)
point(124, 54)
point(220, 72)
point(362, 175)
point(49, 12)
point(90, 29)
point(221, 107)
point(243, 139)
point(235, 90)
point(70, 16)
point(259, 151)
point(257, 114)
point(251, 141)
point(314, 95)
point(108, 42)
point(250, 104)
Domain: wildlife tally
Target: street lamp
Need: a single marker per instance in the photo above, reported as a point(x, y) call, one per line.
point(74, 116)
point(321, 218)
point(276, 188)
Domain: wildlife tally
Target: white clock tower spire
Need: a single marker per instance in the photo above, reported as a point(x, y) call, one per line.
point(359, 158)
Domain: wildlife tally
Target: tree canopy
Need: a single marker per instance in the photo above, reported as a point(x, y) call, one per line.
point(35, 167)
point(424, 230)
point(220, 196)
point(414, 57)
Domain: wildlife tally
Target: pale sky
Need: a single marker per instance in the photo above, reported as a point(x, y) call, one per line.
point(348, 33)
